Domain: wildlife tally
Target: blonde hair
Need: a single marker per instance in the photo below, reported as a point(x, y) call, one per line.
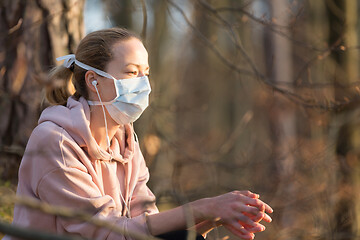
point(94, 50)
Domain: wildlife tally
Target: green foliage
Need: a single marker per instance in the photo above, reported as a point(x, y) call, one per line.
point(6, 209)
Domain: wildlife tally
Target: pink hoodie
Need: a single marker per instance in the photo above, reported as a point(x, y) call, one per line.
point(64, 166)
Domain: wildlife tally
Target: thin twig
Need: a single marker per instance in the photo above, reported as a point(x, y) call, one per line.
point(29, 234)
point(308, 103)
point(271, 26)
point(13, 149)
point(69, 213)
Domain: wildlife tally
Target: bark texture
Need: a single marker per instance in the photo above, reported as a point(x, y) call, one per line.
point(33, 34)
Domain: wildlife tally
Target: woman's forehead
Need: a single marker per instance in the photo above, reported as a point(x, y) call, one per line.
point(131, 51)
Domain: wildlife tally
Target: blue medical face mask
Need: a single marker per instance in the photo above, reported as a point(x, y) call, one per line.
point(132, 95)
point(132, 98)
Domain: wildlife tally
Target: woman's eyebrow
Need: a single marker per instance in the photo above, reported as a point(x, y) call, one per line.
point(137, 65)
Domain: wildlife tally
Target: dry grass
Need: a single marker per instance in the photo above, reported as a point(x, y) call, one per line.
point(6, 209)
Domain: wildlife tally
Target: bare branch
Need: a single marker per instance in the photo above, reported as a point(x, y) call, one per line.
point(270, 25)
point(296, 98)
point(13, 149)
point(29, 234)
point(75, 215)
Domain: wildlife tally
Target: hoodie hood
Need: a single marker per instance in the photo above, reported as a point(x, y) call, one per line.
point(74, 118)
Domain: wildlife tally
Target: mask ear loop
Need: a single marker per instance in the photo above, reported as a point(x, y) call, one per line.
point(94, 83)
point(135, 135)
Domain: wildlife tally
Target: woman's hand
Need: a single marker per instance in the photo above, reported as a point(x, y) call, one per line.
point(238, 211)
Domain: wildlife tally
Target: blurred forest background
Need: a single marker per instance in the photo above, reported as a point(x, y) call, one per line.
point(247, 94)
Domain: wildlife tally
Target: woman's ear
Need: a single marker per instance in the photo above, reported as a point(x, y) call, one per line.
point(91, 80)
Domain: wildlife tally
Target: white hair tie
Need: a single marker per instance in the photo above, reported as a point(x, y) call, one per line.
point(69, 60)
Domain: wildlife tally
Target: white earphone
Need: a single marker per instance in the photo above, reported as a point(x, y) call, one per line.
point(94, 83)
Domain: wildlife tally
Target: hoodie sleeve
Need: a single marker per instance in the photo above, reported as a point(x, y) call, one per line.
point(142, 200)
point(70, 185)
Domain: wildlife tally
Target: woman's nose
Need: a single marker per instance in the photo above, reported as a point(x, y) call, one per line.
point(141, 74)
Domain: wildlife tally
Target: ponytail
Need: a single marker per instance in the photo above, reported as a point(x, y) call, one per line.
point(60, 87)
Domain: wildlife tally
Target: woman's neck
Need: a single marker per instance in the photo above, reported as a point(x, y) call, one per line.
point(97, 126)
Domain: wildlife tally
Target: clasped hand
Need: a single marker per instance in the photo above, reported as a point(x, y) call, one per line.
point(240, 212)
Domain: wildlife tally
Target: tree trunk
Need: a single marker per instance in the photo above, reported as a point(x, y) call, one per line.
point(33, 34)
point(343, 29)
point(282, 115)
point(346, 216)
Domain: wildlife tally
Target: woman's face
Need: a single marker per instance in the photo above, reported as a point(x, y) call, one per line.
point(130, 60)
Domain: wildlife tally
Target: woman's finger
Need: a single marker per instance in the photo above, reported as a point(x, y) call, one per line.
point(267, 218)
point(268, 209)
point(258, 228)
point(250, 210)
point(238, 230)
point(256, 218)
point(260, 216)
point(245, 220)
point(259, 204)
point(249, 194)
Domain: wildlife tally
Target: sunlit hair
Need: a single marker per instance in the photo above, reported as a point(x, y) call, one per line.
point(94, 50)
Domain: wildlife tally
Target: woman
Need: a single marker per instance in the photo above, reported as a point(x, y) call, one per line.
point(83, 154)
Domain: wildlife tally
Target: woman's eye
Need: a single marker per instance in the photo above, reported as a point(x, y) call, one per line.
point(132, 72)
